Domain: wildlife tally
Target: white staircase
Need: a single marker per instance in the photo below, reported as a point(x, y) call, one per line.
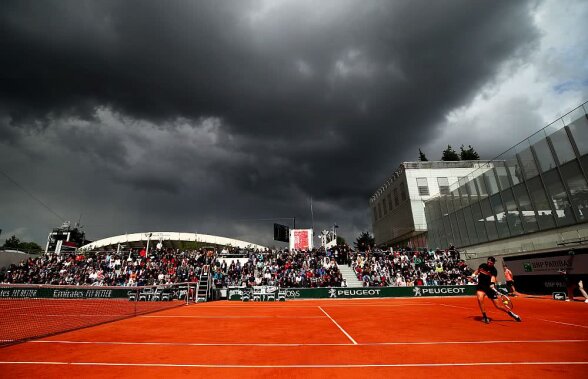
point(349, 276)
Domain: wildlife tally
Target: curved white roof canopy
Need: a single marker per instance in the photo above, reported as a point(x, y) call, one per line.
point(140, 239)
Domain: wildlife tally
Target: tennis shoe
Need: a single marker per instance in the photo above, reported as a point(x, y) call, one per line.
point(516, 317)
point(486, 320)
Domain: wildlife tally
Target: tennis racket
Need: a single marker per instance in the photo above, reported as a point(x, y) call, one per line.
point(505, 300)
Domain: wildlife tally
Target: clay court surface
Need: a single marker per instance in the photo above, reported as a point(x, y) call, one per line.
point(399, 338)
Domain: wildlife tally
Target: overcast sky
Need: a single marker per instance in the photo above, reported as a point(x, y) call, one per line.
point(211, 116)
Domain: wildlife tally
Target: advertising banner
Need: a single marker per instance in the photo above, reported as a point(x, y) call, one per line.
point(62, 293)
point(301, 239)
point(549, 265)
point(361, 292)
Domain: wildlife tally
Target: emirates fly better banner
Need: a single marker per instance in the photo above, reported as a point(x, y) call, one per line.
point(301, 239)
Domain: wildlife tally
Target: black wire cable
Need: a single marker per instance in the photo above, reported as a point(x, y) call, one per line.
point(32, 196)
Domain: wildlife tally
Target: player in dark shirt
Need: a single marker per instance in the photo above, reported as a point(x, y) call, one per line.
point(487, 287)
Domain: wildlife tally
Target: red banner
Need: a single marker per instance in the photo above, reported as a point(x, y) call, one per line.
point(301, 239)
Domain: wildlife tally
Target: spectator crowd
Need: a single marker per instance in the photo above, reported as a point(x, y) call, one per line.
point(242, 268)
point(316, 268)
point(109, 268)
point(406, 268)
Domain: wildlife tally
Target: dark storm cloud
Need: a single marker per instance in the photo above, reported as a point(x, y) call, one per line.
point(319, 99)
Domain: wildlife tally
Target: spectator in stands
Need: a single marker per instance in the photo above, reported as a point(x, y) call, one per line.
point(431, 267)
point(316, 268)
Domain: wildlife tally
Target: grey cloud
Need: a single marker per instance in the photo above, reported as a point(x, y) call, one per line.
point(311, 100)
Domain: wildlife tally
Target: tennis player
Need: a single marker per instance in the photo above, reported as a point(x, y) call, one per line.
point(487, 287)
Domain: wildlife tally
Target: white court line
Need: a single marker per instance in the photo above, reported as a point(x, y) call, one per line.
point(234, 317)
point(564, 323)
point(381, 305)
point(338, 326)
point(78, 315)
point(540, 319)
point(542, 363)
point(313, 306)
point(304, 344)
point(455, 306)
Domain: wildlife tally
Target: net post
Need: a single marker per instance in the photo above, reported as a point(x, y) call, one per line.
point(188, 294)
point(135, 303)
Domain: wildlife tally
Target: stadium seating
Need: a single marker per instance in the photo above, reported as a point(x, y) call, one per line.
point(248, 268)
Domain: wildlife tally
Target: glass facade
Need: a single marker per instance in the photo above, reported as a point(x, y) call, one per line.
point(537, 185)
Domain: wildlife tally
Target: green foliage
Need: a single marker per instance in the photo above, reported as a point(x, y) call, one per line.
point(30, 247)
point(11, 243)
point(14, 243)
point(365, 241)
point(469, 154)
point(449, 154)
point(341, 241)
point(422, 156)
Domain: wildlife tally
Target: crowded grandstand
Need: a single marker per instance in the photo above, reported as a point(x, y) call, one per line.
point(242, 267)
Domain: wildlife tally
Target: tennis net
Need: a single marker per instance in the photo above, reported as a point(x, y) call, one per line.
point(35, 311)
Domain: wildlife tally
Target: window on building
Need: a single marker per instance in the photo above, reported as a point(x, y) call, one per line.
point(572, 176)
point(528, 162)
point(559, 198)
point(443, 186)
point(384, 206)
point(423, 186)
point(544, 156)
point(542, 204)
point(526, 207)
point(579, 129)
point(389, 201)
point(491, 183)
point(562, 146)
point(502, 174)
point(396, 201)
point(513, 214)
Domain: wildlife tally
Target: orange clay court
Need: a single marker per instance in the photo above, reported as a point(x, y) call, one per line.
point(400, 338)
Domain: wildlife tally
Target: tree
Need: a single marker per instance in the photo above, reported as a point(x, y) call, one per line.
point(422, 156)
point(469, 155)
point(12, 243)
point(449, 154)
point(341, 241)
point(30, 247)
point(365, 241)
